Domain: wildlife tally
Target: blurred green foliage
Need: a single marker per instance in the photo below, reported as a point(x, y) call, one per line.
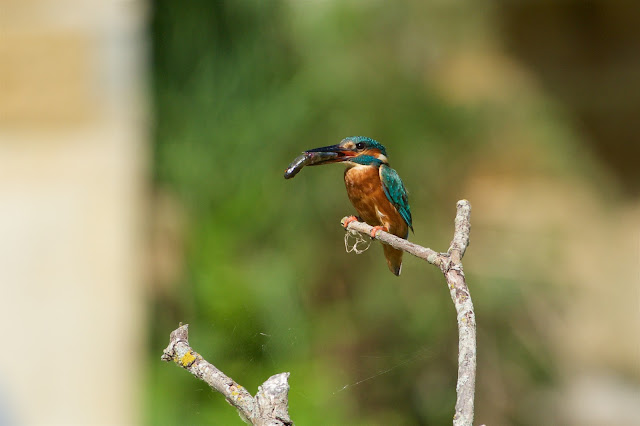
point(241, 87)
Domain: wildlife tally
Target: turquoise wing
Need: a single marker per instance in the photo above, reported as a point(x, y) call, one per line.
point(396, 193)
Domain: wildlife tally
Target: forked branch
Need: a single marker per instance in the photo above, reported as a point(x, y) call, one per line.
point(270, 405)
point(450, 263)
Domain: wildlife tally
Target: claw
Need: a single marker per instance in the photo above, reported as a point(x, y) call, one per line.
point(378, 228)
point(347, 220)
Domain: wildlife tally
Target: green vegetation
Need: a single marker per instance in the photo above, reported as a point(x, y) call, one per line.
point(241, 87)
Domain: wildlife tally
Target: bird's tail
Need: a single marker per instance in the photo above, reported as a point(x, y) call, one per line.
point(394, 259)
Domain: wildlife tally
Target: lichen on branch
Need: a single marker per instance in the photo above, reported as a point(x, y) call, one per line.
point(270, 406)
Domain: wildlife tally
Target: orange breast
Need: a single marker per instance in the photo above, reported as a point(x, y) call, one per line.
point(364, 189)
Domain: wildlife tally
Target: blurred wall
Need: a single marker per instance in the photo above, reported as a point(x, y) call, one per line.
point(72, 168)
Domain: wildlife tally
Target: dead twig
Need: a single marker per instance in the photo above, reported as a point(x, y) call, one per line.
point(450, 263)
point(270, 406)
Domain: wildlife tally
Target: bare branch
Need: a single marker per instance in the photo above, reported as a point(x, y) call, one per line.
point(270, 405)
point(450, 263)
point(396, 242)
point(462, 227)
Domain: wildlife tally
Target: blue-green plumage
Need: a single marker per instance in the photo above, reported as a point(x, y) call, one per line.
point(396, 193)
point(369, 143)
point(366, 160)
point(374, 188)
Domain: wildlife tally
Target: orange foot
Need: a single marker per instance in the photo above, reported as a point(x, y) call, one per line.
point(347, 220)
point(378, 228)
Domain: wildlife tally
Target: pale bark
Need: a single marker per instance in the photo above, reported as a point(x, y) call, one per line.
point(270, 405)
point(450, 263)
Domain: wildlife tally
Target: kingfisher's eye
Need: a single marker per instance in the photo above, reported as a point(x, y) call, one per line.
point(360, 145)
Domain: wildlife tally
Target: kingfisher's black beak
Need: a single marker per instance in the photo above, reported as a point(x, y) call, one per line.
point(332, 154)
point(318, 156)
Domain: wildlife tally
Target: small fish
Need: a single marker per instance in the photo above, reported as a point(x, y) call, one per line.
point(307, 159)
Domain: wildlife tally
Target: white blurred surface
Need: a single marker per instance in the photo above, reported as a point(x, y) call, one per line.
point(72, 170)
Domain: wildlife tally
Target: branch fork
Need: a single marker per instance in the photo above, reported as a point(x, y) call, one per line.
point(270, 405)
point(450, 263)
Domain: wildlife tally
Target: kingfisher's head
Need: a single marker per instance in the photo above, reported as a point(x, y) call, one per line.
point(356, 150)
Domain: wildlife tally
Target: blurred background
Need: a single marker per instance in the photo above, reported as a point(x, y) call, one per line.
point(142, 148)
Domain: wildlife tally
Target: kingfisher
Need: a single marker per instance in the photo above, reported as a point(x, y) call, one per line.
point(374, 188)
